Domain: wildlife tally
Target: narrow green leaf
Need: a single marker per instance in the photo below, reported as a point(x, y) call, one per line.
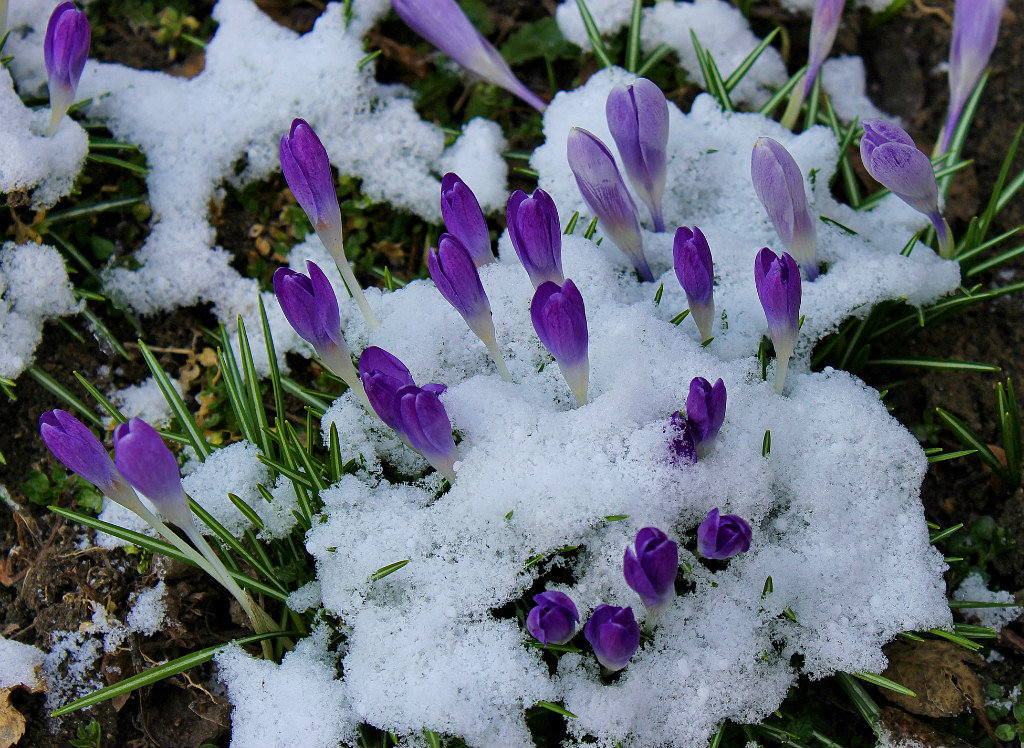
point(275, 371)
point(596, 41)
point(247, 511)
point(556, 709)
point(51, 385)
point(748, 62)
point(188, 423)
point(633, 40)
point(934, 363)
point(254, 396)
point(100, 398)
point(104, 332)
point(862, 701)
point(779, 96)
point(233, 543)
point(971, 604)
point(943, 457)
point(966, 435)
point(82, 211)
point(766, 444)
point(656, 55)
point(386, 570)
point(118, 162)
point(570, 227)
point(883, 682)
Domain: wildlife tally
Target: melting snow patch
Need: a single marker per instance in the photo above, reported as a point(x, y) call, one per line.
point(974, 588)
point(20, 665)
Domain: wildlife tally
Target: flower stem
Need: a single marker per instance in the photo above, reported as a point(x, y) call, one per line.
point(947, 248)
point(337, 251)
point(339, 361)
point(499, 361)
point(796, 101)
point(781, 367)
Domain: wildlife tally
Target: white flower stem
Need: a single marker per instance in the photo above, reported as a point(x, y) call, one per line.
point(796, 100)
point(492, 348)
point(56, 115)
point(337, 251)
point(339, 361)
point(781, 367)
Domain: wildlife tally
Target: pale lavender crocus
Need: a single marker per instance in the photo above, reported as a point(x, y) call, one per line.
point(824, 27)
point(721, 536)
point(65, 50)
point(456, 277)
point(560, 320)
point(424, 422)
point(307, 170)
point(311, 308)
point(891, 157)
point(602, 188)
point(536, 235)
point(695, 270)
point(650, 569)
point(778, 287)
point(975, 31)
point(614, 634)
point(638, 120)
point(443, 24)
point(705, 412)
point(553, 618)
point(780, 188)
point(464, 218)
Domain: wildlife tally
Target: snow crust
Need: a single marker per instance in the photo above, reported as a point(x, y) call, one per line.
point(845, 81)
point(974, 588)
point(144, 400)
point(149, 610)
point(20, 665)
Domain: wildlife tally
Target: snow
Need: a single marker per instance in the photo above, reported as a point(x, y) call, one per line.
point(974, 588)
point(20, 665)
point(845, 81)
point(235, 469)
point(149, 610)
point(34, 287)
point(145, 401)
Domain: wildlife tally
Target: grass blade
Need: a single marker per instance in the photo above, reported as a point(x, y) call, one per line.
point(934, 363)
point(51, 385)
point(883, 682)
point(195, 437)
point(748, 62)
point(966, 435)
point(633, 42)
point(596, 41)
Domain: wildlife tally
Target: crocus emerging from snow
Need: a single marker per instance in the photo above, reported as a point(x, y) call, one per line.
point(602, 188)
point(145, 461)
point(455, 275)
point(307, 169)
point(421, 417)
point(464, 218)
point(723, 535)
point(650, 569)
point(705, 411)
point(824, 26)
point(681, 447)
point(536, 235)
point(553, 618)
point(560, 320)
point(614, 634)
point(311, 308)
point(890, 156)
point(638, 120)
point(780, 188)
point(695, 270)
point(443, 24)
point(975, 30)
point(778, 287)
point(65, 49)
point(383, 375)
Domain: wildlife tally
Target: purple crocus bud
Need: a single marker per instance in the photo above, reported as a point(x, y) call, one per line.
point(383, 375)
point(695, 270)
point(65, 49)
point(824, 26)
point(602, 188)
point(421, 417)
point(975, 30)
point(464, 218)
point(553, 619)
point(891, 157)
point(705, 412)
point(75, 445)
point(560, 320)
point(614, 634)
point(638, 120)
point(723, 535)
point(536, 235)
point(778, 287)
point(650, 569)
point(146, 462)
point(681, 447)
point(780, 188)
point(443, 24)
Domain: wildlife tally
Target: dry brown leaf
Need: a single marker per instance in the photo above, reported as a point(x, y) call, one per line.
point(940, 673)
point(12, 722)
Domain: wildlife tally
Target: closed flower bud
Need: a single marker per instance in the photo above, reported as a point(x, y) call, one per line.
point(560, 320)
point(310, 305)
point(464, 218)
point(74, 444)
point(553, 618)
point(146, 462)
point(421, 417)
point(780, 188)
point(307, 169)
point(705, 412)
point(443, 24)
point(602, 188)
point(681, 447)
point(695, 270)
point(383, 375)
point(65, 50)
point(722, 536)
point(650, 569)
point(536, 235)
point(778, 287)
point(824, 27)
point(638, 120)
point(614, 634)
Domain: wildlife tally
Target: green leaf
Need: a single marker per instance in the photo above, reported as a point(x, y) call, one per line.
point(934, 363)
point(535, 40)
point(389, 569)
point(863, 702)
point(883, 682)
point(37, 488)
point(748, 62)
point(633, 38)
point(966, 435)
point(1005, 732)
point(195, 437)
point(596, 41)
point(556, 709)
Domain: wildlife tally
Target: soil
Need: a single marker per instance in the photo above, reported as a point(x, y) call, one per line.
point(48, 584)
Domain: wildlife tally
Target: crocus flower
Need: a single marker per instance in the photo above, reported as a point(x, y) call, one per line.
point(650, 569)
point(695, 270)
point(455, 275)
point(778, 287)
point(421, 417)
point(536, 235)
point(723, 535)
point(553, 619)
point(614, 634)
point(560, 320)
point(464, 218)
point(146, 462)
point(311, 308)
point(705, 412)
point(76, 446)
point(443, 24)
point(824, 26)
point(383, 375)
point(780, 188)
point(307, 169)
point(602, 188)
point(65, 49)
point(681, 446)
point(890, 156)
point(975, 30)
point(638, 120)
